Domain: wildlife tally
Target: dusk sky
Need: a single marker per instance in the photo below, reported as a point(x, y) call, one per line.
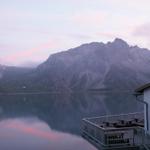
point(31, 30)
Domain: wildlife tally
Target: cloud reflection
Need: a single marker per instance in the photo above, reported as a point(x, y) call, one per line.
point(33, 134)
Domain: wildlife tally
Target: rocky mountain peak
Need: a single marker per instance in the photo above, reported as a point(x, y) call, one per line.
point(120, 43)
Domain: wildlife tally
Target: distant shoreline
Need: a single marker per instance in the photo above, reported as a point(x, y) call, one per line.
point(66, 92)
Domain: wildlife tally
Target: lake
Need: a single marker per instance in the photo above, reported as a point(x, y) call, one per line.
point(52, 121)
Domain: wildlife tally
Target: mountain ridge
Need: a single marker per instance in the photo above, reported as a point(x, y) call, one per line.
point(96, 65)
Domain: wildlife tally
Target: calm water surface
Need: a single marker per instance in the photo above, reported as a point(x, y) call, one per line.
point(52, 122)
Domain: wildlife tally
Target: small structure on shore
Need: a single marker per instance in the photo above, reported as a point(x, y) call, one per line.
point(125, 131)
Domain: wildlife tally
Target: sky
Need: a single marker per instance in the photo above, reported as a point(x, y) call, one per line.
point(32, 30)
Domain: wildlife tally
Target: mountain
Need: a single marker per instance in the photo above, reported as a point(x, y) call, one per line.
point(94, 66)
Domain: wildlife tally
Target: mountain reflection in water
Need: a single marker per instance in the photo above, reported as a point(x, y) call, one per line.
point(52, 121)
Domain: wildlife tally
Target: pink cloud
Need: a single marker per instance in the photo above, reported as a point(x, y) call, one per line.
point(31, 52)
